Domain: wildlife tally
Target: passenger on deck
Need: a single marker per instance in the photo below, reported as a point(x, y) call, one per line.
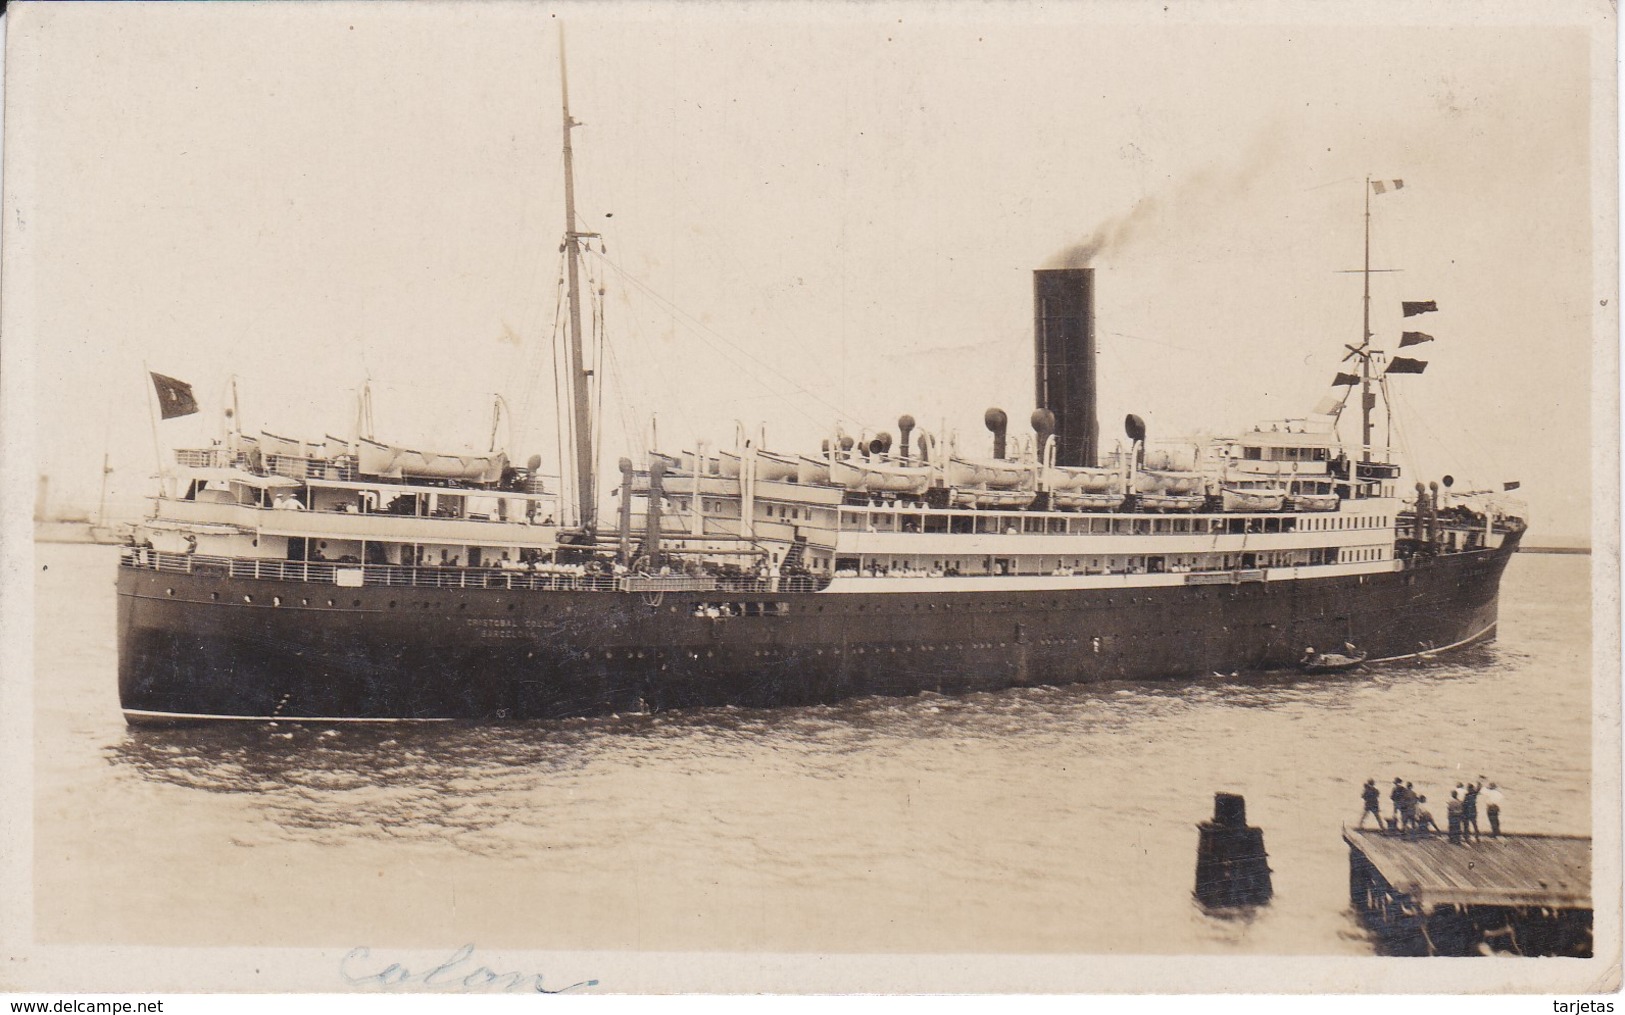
point(1469, 810)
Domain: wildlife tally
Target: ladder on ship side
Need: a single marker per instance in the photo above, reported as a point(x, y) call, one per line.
point(796, 555)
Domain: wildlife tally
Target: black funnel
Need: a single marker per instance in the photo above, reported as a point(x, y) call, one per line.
point(1064, 360)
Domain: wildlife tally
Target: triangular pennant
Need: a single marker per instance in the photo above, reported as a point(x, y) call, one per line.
point(1403, 365)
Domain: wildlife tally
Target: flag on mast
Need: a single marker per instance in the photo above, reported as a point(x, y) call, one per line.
point(174, 397)
point(1413, 338)
point(1331, 405)
point(1414, 307)
point(1342, 379)
point(1383, 186)
point(1404, 365)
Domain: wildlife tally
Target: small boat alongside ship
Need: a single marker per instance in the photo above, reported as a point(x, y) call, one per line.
point(357, 579)
point(1332, 662)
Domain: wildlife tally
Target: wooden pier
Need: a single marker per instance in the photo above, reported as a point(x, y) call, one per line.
point(1518, 894)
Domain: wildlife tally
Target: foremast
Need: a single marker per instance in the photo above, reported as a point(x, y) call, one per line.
point(1366, 401)
point(580, 375)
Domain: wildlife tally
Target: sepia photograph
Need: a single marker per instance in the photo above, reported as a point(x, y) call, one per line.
point(933, 497)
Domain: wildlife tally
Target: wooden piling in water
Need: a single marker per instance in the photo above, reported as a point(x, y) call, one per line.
point(1232, 867)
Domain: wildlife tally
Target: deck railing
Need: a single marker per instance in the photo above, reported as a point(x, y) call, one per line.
point(395, 575)
point(299, 467)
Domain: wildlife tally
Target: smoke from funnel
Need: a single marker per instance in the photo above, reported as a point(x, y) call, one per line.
point(1201, 192)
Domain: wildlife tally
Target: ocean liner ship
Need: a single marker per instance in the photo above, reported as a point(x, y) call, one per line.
point(352, 579)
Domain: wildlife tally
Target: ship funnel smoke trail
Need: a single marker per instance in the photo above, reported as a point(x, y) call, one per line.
point(1202, 192)
point(1112, 234)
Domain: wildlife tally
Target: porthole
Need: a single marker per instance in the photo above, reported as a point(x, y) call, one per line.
point(304, 602)
point(330, 602)
point(392, 604)
point(511, 607)
point(248, 599)
point(276, 600)
point(355, 602)
point(462, 606)
point(169, 592)
point(214, 595)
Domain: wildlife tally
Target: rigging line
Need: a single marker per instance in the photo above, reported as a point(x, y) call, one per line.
point(1154, 341)
point(599, 330)
point(1423, 423)
point(539, 353)
point(701, 326)
point(620, 389)
point(1402, 436)
point(533, 319)
point(560, 433)
point(650, 351)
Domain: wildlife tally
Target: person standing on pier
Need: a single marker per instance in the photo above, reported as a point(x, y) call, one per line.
point(1469, 810)
point(1409, 802)
point(1491, 798)
point(1397, 797)
point(1372, 797)
point(1453, 811)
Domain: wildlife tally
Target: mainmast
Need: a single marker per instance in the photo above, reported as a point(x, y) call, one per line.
point(580, 376)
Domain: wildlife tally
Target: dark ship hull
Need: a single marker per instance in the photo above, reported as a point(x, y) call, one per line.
point(199, 647)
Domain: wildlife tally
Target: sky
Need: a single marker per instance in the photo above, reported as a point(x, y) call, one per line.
point(808, 214)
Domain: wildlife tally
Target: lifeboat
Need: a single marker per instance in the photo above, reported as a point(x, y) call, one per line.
point(1169, 501)
point(996, 475)
point(1084, 488)
point(1087, 501)
point(812, 471)
point(1156, 482)
point(388, 460)
point(1063, 479)
point(1009, 499)
point(879, 476)
point(1251, 498)
point(770, 466)
point(1314, 501)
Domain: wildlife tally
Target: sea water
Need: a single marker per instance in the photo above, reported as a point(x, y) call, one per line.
point(1031, 820)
